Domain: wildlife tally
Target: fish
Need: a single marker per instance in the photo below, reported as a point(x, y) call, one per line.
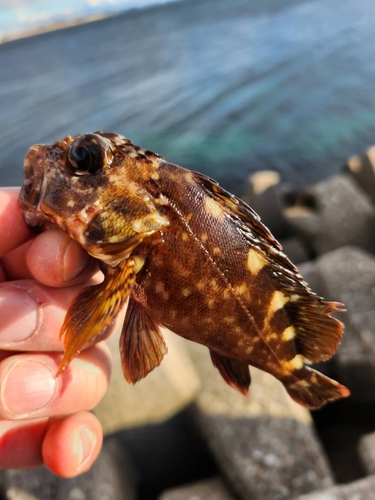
point(184, 254)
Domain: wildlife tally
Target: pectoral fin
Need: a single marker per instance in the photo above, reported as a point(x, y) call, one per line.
point(142, 345)
point(235, 373)
point(94, 308)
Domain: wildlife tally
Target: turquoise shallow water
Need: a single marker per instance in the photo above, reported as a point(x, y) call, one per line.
point(222, 87)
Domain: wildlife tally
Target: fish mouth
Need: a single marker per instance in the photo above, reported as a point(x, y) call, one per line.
point(33, 188)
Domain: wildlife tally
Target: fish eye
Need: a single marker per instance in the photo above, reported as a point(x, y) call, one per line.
point(88, 154)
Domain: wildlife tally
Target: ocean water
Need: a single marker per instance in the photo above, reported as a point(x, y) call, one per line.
point(221, 87)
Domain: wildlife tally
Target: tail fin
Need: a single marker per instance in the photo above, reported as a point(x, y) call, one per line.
point(315, 390)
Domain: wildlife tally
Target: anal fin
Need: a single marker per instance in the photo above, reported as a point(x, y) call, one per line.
point(142, 346)
point(235, 373)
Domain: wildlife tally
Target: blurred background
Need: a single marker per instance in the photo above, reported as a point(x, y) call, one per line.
point(222, 87)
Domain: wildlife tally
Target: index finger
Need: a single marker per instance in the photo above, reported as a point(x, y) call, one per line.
point(13, 229)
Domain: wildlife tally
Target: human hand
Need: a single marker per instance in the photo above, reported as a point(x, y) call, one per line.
point(44, 419)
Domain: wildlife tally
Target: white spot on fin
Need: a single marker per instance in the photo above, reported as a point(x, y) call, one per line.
point(288, 334)
point(255, 261)
point(278, 301)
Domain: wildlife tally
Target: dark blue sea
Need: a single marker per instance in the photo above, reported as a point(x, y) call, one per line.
point(224, 87)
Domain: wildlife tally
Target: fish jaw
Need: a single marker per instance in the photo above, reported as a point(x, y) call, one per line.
point(35, 186)
point(32, 189)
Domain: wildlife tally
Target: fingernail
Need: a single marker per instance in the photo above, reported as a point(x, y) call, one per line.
point(75, 260)
point(27, 387)
point(19, 314)
point(85, 445)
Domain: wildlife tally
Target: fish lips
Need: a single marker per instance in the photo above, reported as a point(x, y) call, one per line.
point(33, 187)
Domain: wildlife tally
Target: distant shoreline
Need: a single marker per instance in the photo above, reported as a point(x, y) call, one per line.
point(80, 17)
point(18, 35)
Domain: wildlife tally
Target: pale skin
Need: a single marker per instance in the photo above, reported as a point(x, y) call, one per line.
point(44, 419)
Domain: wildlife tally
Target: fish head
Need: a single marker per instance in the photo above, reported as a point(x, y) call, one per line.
point(93, 187)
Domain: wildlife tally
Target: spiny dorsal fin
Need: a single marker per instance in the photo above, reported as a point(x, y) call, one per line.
point(237, 209)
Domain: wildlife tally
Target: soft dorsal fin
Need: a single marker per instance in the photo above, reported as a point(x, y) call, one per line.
point(142, 346)
point(317, 333)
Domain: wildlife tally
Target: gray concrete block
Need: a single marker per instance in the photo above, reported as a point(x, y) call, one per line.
point(259, 182)
point(265, 444)
point(363, 489)
point(109, 478)
point(366, 452)
point(361, 168)
point(209, 489)
point(268, 196)
point(295, 249)
point(309, 272)
point(341, 214)
point(164, 392)
point(304, 221)
point(348, 274)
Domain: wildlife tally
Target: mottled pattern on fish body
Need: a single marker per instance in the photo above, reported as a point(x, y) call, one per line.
point(189, 255)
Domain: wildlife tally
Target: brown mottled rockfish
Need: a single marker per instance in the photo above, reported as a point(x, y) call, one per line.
point(189, 256)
